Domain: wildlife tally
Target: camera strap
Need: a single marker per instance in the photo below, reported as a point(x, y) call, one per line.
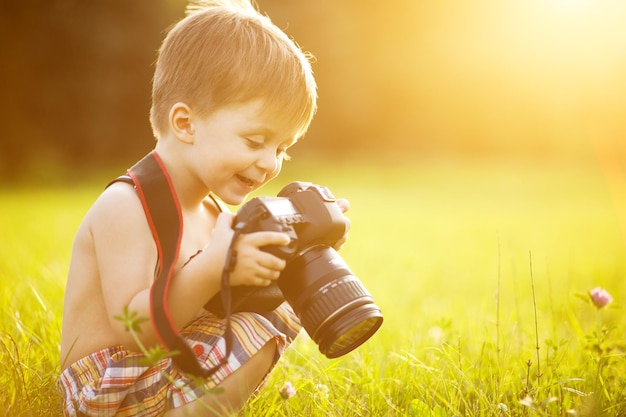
point(163, 212)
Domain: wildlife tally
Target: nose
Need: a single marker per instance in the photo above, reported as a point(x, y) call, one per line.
point(269, 161)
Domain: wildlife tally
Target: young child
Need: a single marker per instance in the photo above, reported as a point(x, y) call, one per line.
point(231, 94)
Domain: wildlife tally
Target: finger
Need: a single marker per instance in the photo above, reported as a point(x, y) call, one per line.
point(268, 273)
point(272, 262)
point(348, 224)
point(266, 276)
point(343, 204)
point(260, 282)
point(340, 242)
point(265, 238)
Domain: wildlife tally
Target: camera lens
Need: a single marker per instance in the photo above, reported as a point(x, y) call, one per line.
point(333, 305)
point(351, 329)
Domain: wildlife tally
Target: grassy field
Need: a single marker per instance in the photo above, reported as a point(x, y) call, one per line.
point(482, 269)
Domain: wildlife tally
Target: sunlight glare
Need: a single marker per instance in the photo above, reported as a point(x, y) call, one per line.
point(567, 5)
point(539, 73)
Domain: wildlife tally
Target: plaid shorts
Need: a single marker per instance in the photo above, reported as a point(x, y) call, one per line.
point(117, 382)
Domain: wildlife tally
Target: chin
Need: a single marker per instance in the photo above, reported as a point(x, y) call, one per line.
point(233, 200)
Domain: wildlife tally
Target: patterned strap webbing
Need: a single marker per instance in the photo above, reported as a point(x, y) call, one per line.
point(163, 212)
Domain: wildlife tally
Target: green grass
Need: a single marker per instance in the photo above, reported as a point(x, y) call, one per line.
point(36, 232)
point(451, 251)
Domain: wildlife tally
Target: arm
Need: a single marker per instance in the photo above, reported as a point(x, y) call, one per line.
point(127, 256)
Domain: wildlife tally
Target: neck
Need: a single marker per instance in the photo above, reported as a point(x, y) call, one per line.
point(189, 190)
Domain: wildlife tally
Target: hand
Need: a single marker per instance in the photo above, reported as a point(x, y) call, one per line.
point(344, 205)
point(253, 265)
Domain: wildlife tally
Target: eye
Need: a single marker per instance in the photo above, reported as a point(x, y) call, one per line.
point(254, 144)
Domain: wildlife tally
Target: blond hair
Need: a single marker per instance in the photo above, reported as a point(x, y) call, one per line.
point(226, 52)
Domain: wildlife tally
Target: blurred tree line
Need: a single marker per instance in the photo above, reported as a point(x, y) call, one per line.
point(407, 77)
point(75, 78)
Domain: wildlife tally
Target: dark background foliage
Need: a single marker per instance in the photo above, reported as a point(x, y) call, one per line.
point(402, 77)
point(75, 80)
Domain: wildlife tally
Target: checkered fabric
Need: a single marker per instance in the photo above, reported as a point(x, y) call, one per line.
point(118, 382)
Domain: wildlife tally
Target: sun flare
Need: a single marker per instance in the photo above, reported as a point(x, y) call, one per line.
point(535, 74)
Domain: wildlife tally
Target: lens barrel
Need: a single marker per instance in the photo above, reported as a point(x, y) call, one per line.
point(334, 307)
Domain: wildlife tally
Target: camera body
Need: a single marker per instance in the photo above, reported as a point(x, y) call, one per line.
point(306, 212)
point(332, 304)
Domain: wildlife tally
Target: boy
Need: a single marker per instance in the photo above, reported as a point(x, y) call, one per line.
point(231, 93)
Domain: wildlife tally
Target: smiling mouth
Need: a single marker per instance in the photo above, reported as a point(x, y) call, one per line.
point(247, 181)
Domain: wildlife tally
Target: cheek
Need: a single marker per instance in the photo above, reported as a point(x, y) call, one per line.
point(279, 167)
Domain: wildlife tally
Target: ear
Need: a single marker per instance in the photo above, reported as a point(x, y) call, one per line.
point(180, 122)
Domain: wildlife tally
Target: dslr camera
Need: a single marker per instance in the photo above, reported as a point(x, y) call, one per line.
point(334, 307)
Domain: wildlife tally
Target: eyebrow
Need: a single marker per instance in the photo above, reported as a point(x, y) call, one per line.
point(260, 130)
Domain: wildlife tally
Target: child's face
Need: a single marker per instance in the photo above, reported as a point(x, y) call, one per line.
point(239, 148)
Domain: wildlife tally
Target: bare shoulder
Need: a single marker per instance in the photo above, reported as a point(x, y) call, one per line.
point(113, 258)
point(117, 205)
point(122, 241)
point(117, 210)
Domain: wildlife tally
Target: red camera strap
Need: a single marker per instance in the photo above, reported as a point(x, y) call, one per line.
point(164, 215)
